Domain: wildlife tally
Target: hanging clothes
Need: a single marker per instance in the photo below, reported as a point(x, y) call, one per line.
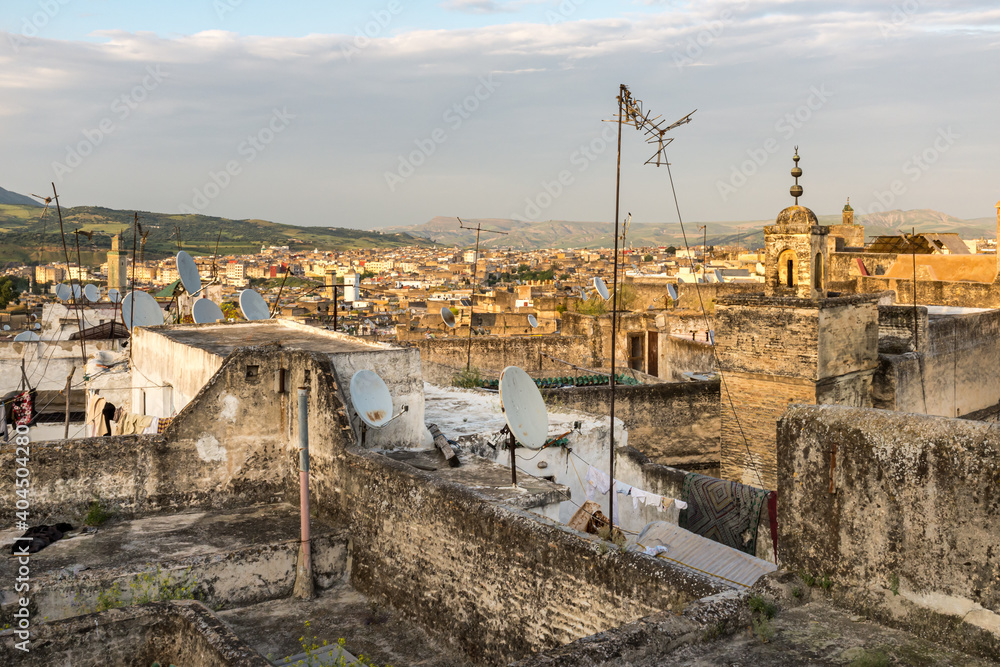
point(22, 409)
point(3, 422)
point(107, 419)
point(597, 481)
point(95, 415)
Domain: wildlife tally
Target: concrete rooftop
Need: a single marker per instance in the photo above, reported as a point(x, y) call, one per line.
point(221, 339)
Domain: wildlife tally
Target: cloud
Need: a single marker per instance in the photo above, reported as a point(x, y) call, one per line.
point(360, 106)
point(477, 6)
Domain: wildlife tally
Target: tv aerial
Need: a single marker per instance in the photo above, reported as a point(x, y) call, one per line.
point(139, 309)
point(253, 306)
point(372, 402)
point(524, 411)
point(206, 311)
point(655, 129)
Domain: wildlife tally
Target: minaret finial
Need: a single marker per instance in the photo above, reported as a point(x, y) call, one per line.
point(796, 190)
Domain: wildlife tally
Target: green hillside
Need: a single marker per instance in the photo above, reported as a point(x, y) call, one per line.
point(27, 235)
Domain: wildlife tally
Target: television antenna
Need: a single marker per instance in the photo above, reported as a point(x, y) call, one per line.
point(630, 112)
point(475, 267)
point(524, 411)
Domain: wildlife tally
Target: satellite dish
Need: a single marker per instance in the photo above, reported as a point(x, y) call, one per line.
point(253, 306)
point(711, 337)
point(6, 327)
point(63, 292)
point(114, 296)
point(533, 321)
point(188, 271)
point(523, 408)
point(718, 276)
point(91, 292)
point(77, 292)
point(672, 292)
point(37, 326)
point(602, 289)
point(26, 337)
point(139, 309)
point(371, 399)
point(205, 311)
point(448, 317)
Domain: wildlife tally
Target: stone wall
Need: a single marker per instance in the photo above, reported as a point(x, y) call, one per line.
point(844, 265)
point(938, 292)
point(901, 512)
point(440, 358)
point(672, 423)
point(679, 355)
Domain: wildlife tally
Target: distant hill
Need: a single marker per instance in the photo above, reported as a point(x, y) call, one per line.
point(14, 199)
point(26, 235)
point(523, 235)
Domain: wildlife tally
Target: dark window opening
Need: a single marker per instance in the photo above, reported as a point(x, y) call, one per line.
point(790, 277)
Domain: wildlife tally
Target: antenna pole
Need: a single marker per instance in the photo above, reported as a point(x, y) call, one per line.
point(62, 233)
point(913, 255)
point(513, 459)
point(135, 232)
point(472, 295)
point(83, 321)
point(622, 92)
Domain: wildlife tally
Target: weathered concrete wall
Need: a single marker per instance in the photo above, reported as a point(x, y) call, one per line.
point(46, 363)
point(945, 376)
point(493, 354)
point(501, 582)
point(901, 511)
point(672, 423)
point(937, 292)
point(679, 355)
point(164, 362)
point(168, 633)
point(691, 296)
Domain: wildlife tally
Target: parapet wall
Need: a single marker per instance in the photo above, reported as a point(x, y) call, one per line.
point(901, 512)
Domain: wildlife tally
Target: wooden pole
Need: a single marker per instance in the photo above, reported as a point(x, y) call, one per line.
point(614, 307)
point(69, 384)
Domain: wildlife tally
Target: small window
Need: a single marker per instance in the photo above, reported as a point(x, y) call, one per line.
point(818, 271)
point(252, 371)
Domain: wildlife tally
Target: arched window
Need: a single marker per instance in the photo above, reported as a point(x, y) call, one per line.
point(818, 271)
point(787, 275)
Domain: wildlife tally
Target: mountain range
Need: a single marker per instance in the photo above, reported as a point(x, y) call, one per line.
point(568, 234)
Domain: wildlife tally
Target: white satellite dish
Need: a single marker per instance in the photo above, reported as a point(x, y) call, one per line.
point(602, 289)
point(36, 326)
point(523, 408)
point(711, 337)
point(188, 271)
point(114, 296)
point(139, 309)
point(672, 292)
point(6, 327)
point(371, 398)
point(91, 292)
point(26, 337)
point(63, 292)
point(533, 321)
point(448, 317)
point(205, 311)
point(77, 292)
point(253, 306)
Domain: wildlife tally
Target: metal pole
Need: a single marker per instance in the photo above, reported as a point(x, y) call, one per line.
point(69, 383)
point(913, 254)
point(472, 303)
point(622, 91)
point(303, 577)
point(513, 460)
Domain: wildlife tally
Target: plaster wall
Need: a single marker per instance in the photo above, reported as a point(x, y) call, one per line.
point(901, 512)
point(46, 362)
point(162, 362)
point(680, 354)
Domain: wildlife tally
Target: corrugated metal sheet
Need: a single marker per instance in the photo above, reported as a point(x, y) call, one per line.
point(728, 566)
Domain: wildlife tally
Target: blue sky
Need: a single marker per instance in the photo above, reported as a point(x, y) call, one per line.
point(371, 114)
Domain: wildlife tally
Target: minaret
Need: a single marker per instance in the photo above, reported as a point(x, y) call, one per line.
point(117, 266)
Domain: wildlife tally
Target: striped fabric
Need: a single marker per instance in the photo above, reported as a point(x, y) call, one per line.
point(724, 511)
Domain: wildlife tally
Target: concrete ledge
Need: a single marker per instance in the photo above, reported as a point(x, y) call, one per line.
point(179, 633)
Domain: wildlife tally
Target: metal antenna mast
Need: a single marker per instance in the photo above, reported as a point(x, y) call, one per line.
point(630, 113)
point(472, 296)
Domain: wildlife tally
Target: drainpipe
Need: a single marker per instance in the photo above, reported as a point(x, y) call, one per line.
point(303, 574)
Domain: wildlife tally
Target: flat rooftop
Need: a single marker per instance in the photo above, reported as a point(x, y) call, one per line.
point(221, 339)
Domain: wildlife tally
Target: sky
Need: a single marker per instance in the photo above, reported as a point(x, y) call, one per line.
point(389, 113)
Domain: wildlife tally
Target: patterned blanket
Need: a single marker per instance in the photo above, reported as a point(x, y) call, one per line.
point(724, 511)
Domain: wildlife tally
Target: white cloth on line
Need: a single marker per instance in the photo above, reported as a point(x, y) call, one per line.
point(597, 480)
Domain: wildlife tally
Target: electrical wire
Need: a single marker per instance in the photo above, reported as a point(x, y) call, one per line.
point(708, 325)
